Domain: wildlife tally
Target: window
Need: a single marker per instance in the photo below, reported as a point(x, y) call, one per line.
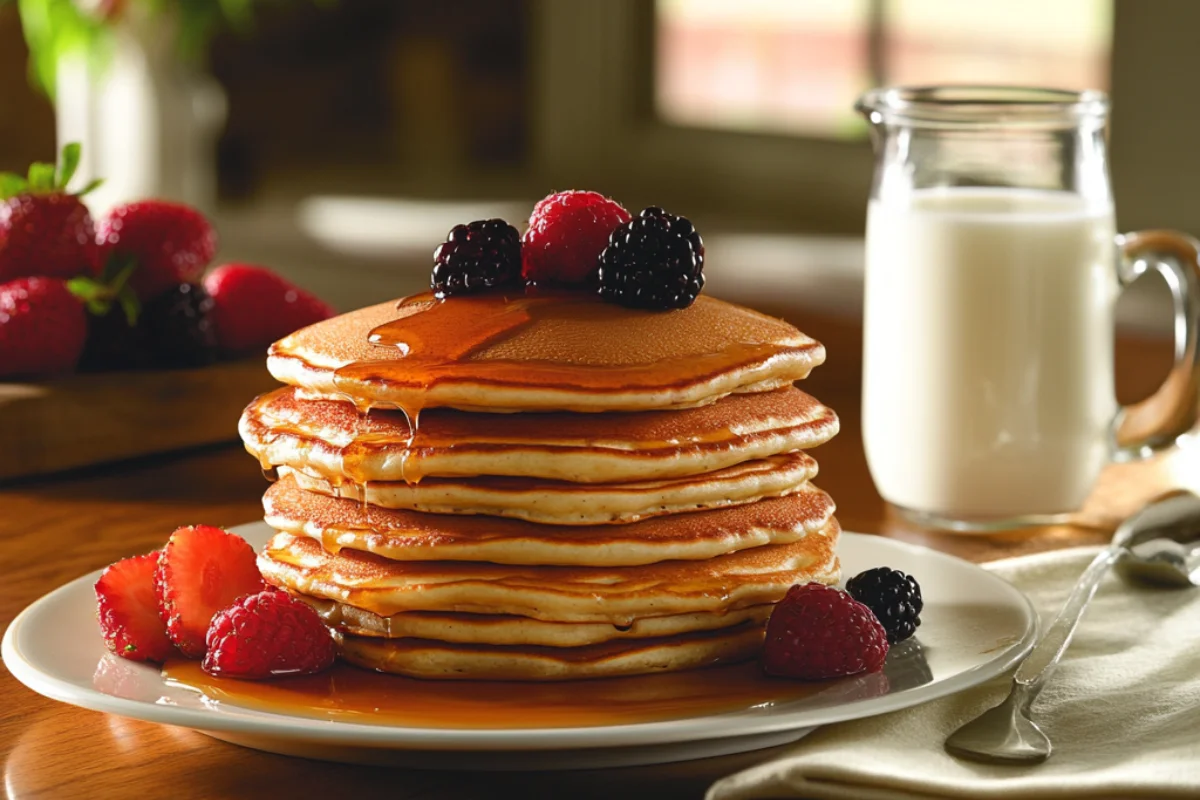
point(796, 67)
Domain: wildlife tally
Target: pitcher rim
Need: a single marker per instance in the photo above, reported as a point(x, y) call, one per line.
point(983, 105)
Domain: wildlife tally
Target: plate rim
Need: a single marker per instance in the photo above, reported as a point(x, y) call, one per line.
point(241, 720)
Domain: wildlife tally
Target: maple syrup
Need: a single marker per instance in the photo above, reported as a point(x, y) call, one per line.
point(442, 340)
point(433, 341)
point(352, 695)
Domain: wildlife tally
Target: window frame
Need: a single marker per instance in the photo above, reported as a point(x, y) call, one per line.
point(594, 125)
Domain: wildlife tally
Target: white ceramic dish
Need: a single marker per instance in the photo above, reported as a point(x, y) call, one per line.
point(974, 627)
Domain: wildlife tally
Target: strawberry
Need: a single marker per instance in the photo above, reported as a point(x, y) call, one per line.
point(45, 230)
point(43, 327)
point(818, 632)
point(171, 244)
point(201, 571)
point(128, 610)
point(253, 306)
point(267, 635)
point(567, 232)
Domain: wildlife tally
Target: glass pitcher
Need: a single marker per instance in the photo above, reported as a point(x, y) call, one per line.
point(993, 268)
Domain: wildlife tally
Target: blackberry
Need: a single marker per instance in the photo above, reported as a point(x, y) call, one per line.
point(655, 260)
point(113, 344)
point(179, 328)
point(894, 598)
point(485, 254)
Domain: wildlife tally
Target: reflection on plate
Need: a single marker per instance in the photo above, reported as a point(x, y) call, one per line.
point(974, 627)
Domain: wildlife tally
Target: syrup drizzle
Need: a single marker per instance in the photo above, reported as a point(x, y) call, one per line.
point(434, 340)
point(350, 694)
point(428, 338)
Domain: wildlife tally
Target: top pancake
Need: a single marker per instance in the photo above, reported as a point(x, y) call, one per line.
point(565, 351)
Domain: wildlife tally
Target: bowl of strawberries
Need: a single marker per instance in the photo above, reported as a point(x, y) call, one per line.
point(127, 313)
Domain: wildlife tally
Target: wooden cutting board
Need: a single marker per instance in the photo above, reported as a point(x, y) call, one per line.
point(83, 420)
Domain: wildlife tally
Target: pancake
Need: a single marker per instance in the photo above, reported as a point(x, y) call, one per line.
point(333, 440)
point(417, 536)
point(511, 630)
point(563, 503)
point(542, 352)
point(425, 658)
point(617, 595)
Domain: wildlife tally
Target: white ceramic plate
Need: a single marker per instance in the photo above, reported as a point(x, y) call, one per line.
point(974, 627)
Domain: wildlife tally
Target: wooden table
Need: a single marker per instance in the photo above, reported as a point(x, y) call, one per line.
point(53, 530)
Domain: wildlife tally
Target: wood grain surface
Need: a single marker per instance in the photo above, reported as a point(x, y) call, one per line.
point(82, 420)
point(53, 530)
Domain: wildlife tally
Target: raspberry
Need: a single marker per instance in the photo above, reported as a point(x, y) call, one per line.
point(655, 261)
point(179, 327)
point(893, 597)
point(818, 632)
point(567, 232)
point(265, 635)
point(114, 344)
point(482, 255)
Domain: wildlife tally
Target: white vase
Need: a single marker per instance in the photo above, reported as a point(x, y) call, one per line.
point(147, 121)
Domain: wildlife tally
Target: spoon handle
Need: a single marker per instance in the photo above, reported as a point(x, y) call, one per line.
point(1040, 663)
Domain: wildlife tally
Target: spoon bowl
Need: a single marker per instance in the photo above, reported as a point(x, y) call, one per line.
point(1165, 548)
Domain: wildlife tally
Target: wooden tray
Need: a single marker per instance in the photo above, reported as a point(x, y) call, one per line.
point(83, 420)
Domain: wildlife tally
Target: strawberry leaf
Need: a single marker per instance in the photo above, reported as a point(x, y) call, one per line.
point(117, 270)
point(11, 185)
point(68, 164)
point(91, 185)
point(94, 294)
point(41, 178)
point(99, 294)
point(123, 267)
point(128, 300)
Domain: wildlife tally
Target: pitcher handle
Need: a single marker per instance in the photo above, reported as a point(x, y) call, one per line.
point(1156, 423)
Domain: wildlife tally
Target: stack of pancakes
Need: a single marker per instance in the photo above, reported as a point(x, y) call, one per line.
point(543, 487)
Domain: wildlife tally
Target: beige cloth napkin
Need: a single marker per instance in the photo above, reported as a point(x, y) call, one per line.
point(1123, 711)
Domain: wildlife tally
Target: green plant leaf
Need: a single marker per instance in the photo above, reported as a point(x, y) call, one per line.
point(11, 185)
point(69, 163)
point(41, 177)
point(59, 29)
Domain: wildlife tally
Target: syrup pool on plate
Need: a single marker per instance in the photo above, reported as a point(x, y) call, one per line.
point(351, 695)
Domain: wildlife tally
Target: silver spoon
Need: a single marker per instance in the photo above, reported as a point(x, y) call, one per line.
point(1160, 544)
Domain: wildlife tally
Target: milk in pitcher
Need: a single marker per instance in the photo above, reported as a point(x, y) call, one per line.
point(988, 363)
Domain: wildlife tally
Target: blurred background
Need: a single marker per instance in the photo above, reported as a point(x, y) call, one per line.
point(338, 141)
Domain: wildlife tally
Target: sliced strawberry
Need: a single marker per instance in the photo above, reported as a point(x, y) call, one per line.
point(201, 571)
point(127, 606)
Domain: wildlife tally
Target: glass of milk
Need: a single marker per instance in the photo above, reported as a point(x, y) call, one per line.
point(993, 267)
